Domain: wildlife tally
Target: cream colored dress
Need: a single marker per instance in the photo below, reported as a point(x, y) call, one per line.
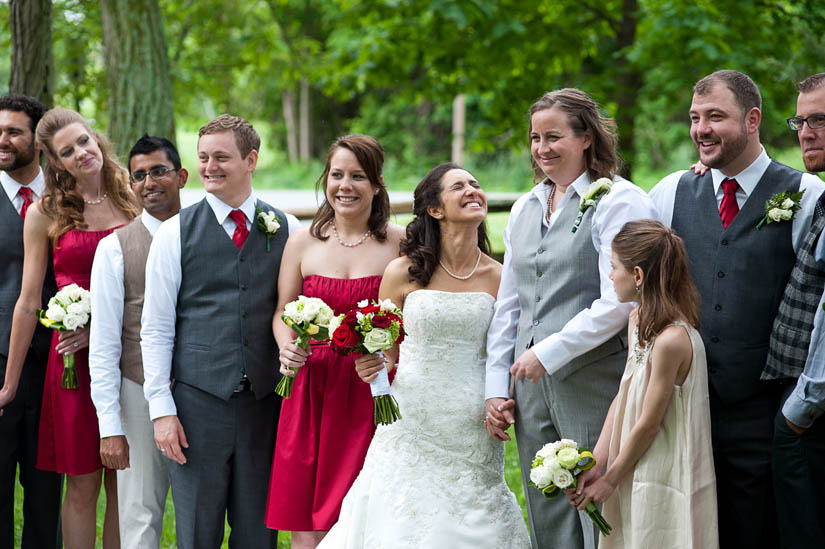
point(669, 500)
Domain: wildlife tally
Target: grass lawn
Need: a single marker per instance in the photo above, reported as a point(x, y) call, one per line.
point(511, 473)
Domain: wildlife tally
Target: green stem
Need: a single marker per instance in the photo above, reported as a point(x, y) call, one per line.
point(762, 222)
point(69, 380)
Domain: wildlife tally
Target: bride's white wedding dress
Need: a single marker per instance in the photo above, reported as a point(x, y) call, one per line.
point(435, 478)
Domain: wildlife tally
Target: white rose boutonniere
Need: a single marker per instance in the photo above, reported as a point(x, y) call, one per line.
point(268, 223)
point(781, 207)
point(591, 198)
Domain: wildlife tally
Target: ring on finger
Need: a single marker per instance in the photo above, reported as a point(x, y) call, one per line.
point(163, 450)
point(75, 344)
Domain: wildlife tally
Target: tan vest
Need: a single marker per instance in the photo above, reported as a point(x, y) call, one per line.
point(134, 242)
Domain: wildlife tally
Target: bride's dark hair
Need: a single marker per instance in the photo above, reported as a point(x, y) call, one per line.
point(422, 243)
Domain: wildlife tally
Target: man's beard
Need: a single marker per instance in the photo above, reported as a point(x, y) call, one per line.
point(729, 150)
point(21, 158)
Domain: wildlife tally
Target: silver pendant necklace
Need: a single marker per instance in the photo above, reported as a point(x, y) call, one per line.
point(459, 277)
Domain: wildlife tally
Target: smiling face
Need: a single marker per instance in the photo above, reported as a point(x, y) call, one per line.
point(462, 199)
point(161, 199)
point(222, 169)
point(77, 151)
point(720, 130)
point(17, 147)
point(555, 147)
point(349, 190)
point(812, 142)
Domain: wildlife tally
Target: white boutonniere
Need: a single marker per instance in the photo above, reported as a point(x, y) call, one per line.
point(268, 223)
point(781, 207)
point(591, 198)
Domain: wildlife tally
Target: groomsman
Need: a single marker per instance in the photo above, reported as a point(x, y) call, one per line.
point(799, 435)
point(739, 271)
point(127, 440)
point(23, 183)
point(207, 320)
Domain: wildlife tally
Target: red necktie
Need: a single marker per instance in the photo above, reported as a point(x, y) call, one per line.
point(26, 193)
point(729, 207)
point(241, 232)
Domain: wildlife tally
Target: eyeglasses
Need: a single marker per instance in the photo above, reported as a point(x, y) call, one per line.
point(157, 173)
point(815, 121)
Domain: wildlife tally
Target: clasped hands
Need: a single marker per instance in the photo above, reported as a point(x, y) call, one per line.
point(590, 486)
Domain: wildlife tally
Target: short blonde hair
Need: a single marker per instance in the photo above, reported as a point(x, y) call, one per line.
point(246, 138)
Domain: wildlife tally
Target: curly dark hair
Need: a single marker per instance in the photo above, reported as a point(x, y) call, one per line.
point(422, 244)
point(29, 106)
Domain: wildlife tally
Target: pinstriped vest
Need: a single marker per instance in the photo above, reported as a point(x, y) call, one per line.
point(134, 241)
point(557, 276)
point(741, 274)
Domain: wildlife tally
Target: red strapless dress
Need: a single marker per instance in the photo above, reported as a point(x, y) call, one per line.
point(69, 440)
point(325, 427)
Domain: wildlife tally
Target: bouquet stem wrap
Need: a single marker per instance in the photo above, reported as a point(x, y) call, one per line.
point(284, 387)
point(385, 407)
point(69, 380)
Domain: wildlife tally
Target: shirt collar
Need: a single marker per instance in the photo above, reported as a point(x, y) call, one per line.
point(151, 222)
point(221, 209)
point(579, 185)
point(12, 186)
point(747, 178)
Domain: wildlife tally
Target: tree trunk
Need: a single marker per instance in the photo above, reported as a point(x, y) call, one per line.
point(291, 127)
point(305, 136)
point(30, 22)
point(137, 70)
point(629, 81)
point(458, 129)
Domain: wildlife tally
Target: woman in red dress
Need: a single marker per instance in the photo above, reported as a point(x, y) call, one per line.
point(87, 196)
point(326, 425)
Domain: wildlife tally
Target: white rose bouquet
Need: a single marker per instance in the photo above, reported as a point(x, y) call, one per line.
point(310, 318)
point(781, 207)
point(591, 198)
point(369, 329)
point(68, 310)
point(556, 467)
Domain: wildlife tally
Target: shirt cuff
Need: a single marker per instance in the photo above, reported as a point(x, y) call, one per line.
point(545, 352)
point(497, 385)
point(110, 425)
point(162, 406)
point(799, 411)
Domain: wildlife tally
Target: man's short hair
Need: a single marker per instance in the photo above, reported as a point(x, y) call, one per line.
point(813, 82)
point(744, 90)
point(30, 106)
point(246, 138)
point(149, 144)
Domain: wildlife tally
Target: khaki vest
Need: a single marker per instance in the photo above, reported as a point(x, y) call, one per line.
point(134, 241)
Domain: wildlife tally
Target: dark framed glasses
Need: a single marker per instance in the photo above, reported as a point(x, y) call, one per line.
point(157, 173)
point(815, 121)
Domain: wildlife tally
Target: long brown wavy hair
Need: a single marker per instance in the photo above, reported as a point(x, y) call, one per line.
point(370, 156)
point(61, 200)
point(667, 292)
point(422, 243)
point(600, 158)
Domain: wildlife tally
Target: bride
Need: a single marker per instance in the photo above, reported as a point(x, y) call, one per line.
point(435, 477)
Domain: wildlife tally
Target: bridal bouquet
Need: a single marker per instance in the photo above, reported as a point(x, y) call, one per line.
point(555, 468)
point(368, 329)
point(310, 318)
point(68, 310)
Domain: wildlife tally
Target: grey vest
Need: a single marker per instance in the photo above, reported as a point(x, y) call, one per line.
point(134, 241)
point(226, 302)
point(557, 276)
point(741, 273)
point(11, 277)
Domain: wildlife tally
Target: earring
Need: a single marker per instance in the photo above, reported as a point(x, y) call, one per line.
point(637, 289)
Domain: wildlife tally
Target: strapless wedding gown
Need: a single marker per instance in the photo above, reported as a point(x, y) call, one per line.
point(435, 478)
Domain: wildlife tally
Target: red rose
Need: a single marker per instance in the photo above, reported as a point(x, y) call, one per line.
point(344, 338)
point(350, 318)
point(381, 321)
point(370, 309)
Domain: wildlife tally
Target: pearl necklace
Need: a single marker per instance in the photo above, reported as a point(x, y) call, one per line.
point(96, 202)
point(344, 244)
point(478, 261)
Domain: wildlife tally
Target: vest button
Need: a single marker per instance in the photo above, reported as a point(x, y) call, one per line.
point(241, 259)
point(720, 274)
point(243, 287)
point(536, 322)
point(243, 314)
point(725, 242)
point(538, 298)
point(541, 250)
point(717, 307)
point(538, 274)
point(714, 339)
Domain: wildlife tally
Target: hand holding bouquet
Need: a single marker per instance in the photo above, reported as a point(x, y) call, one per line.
point(68, 310)
point(310, 318)
point(369, 329)
point(557, 466)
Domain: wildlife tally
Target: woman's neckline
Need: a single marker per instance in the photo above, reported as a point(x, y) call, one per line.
point(447, 292)
point(338, 278)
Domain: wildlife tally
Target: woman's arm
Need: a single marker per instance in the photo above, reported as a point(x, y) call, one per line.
point(24, 321)
point(671, 354)
point(290, 283)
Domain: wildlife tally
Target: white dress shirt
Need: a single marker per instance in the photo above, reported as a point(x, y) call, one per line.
point(590, 327)
point(107, 291)
point(163, 279)
point(663, 194)
point(12, 188)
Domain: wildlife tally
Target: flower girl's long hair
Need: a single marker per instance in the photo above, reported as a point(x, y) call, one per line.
point(422, 243)
point(667, 292)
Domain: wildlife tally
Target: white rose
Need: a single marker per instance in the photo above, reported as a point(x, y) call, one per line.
point(568, 443)
point(324, 316)
point(359, 317)
point(387, 305)
point(774, 214)
point(541, 475)
point(568, 457)
point(552, 463)
point(291, 311)
point(75, 308)
point(786, 214)
point(76, 292)
point(378, 339)
point(71, 322)
point(55, 312)
point(363, 303)
point(548, 450)
point(787, 204)
point(589, 203)
point(562, 478)
point(335, 323)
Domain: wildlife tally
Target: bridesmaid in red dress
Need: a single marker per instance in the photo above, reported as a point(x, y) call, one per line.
point(326, 425)
point(87, 196)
